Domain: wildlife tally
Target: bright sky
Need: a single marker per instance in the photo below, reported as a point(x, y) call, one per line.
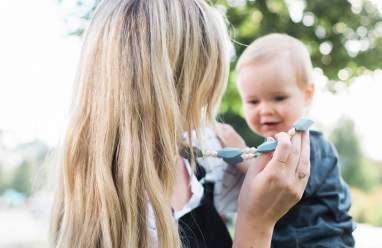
point(38, 63)
point(362, 102)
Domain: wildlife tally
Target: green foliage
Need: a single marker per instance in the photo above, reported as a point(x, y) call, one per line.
point(356, 170)
point(3, 183)
point(367, 207)
point(22, 180)
point(231, 99)
point(83, 11)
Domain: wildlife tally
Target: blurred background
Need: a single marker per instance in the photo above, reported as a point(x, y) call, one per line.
point(39, 49)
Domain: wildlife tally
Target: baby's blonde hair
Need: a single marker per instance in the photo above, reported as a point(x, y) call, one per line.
point(272, 46)
point(150, 70)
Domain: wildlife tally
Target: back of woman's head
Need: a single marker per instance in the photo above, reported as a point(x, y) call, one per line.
point(150, 70)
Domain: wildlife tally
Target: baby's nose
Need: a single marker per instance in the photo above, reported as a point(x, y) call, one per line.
point(266, 108)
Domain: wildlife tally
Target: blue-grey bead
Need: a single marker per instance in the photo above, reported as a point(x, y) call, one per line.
point(302, 124)
point(230, 155)
point(267, 146)
point(234, 160)
point(229, 152)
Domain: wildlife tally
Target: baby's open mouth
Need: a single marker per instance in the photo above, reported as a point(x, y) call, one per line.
point(270, 124)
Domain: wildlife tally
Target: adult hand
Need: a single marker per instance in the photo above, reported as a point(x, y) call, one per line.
point(271, 188)
point(228, 137)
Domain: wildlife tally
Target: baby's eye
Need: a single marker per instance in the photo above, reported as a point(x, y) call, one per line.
point(253, 102)
point(280, 98)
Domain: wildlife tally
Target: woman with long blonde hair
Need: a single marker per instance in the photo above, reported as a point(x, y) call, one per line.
point(150, 71)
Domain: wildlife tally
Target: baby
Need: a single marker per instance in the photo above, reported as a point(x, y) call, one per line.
point(274, 78)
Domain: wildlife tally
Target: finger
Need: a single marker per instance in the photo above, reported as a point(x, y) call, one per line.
point(304, 161)
point(295, 154)
point(283, 149)
point(259, 164)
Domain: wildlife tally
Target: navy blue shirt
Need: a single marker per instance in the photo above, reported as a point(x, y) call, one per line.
point(320, 218)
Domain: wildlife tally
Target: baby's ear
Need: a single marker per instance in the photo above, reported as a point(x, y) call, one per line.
point(309, 93)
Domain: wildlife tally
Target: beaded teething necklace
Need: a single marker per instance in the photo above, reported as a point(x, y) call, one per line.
point(233, 155)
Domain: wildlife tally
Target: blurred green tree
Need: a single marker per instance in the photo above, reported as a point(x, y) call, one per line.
point(3, 183)
point(356, 169)
point(22, 179)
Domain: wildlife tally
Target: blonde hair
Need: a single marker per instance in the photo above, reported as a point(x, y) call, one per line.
point(149, 70)
point(272, 46)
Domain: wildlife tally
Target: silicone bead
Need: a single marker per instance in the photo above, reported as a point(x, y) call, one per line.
point(302, 124)
point(229, 152)
point(233, 161)
point(267, 146)
point(292, 132)
point(230, 155)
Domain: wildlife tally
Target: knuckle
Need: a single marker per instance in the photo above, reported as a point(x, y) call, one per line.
point(284, 145)
point(289, 188)
point(274, 178)
point(295, 151)
point(293, 191)
point(297, 195)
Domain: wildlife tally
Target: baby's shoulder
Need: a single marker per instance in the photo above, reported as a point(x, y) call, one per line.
point(320, 146)
point(324, 165)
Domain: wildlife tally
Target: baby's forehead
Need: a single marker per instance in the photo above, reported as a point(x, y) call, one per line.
point(273, 45)
point(273, 66)
point(278, 48)
point(265, 57)
point(269, 79)
point(268, 69)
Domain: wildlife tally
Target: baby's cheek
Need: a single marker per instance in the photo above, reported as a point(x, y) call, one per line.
point(256, 128)
point(252, 119)
point(249, 112)
point(292, 118)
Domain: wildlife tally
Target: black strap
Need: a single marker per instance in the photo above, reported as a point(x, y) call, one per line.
point(203, 226)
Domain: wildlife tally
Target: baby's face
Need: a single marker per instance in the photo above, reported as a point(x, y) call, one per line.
point(271, 97)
